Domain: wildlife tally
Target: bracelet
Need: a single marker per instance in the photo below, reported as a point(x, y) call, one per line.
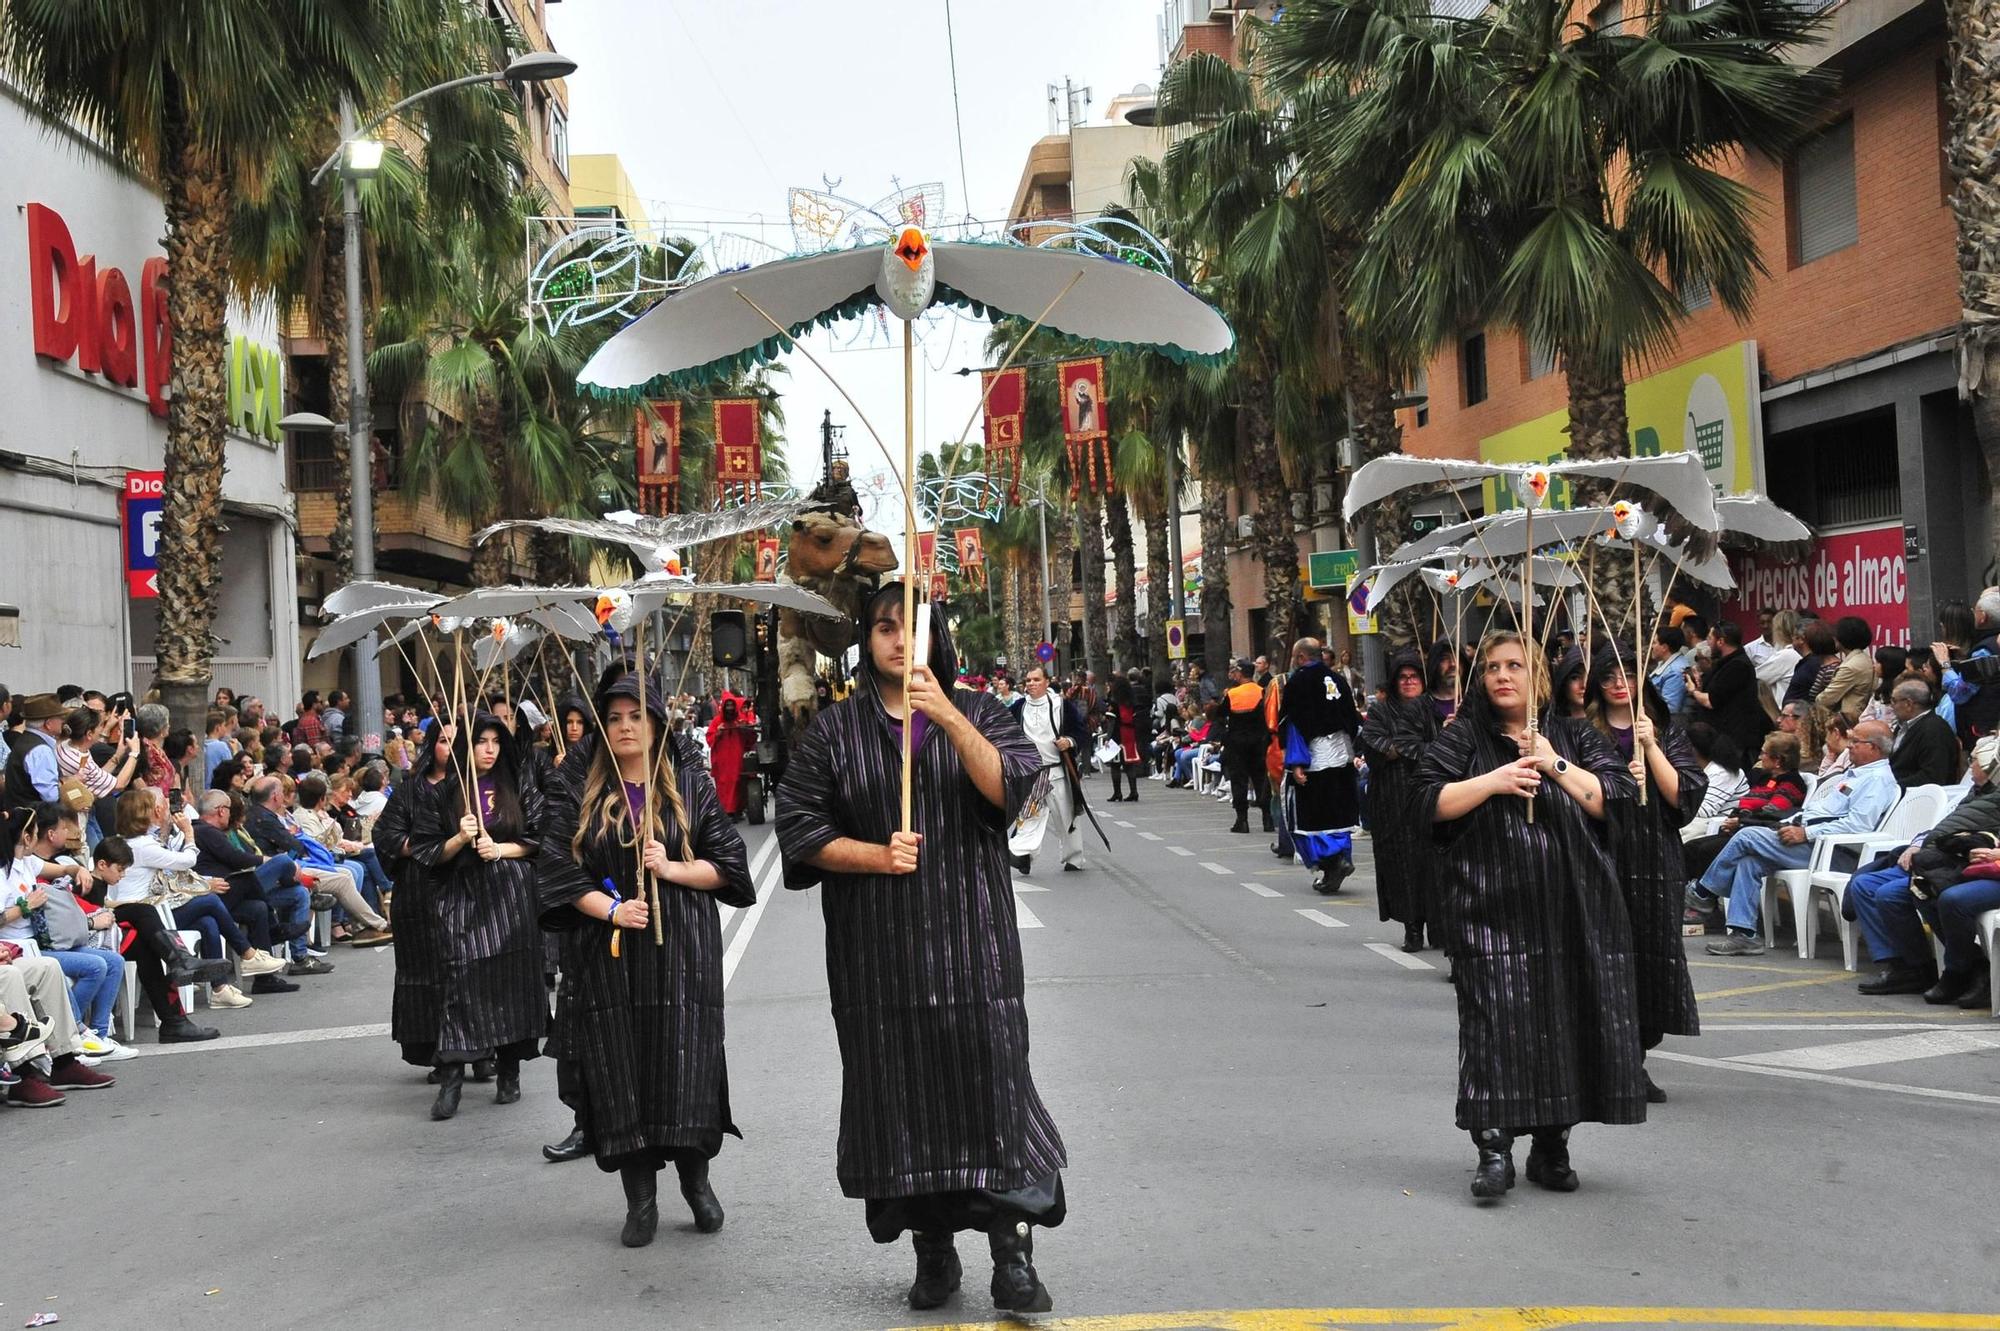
point(617, 900)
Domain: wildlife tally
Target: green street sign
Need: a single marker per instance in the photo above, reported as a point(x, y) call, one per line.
point(1330, 570)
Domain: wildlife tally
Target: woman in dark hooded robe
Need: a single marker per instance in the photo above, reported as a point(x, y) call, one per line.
point(1395, 736)
point(418, 1003)
point(941, 1128)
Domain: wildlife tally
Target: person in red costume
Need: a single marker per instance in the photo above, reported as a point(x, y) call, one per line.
point(730, 734)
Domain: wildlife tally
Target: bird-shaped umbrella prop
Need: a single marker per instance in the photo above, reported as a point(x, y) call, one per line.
point(734, 320)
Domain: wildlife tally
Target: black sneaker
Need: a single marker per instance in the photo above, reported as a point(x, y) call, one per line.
point(310, 966)
point(186, 1032)
point(273, 984)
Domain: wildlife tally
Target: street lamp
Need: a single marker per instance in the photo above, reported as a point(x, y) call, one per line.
point(363, 156)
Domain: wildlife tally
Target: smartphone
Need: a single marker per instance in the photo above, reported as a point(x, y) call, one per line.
point(174, 800)
point(131, 727)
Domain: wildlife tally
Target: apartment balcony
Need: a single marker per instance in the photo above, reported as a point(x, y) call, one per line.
point(414, 537)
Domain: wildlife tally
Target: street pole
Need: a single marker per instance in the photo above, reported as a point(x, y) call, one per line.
point(1042, 521)
point(1179, 590)
point(826, 444)
point(1374, 662)
point(360, 463)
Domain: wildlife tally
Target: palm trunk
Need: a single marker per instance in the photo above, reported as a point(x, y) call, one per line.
point(1010, 608)
point(1090, 571)
point(1972, 53)
point(196, 186)
point(1598, 429)
point(1160, 574)
point(491, 561)
point(1062, 553)
point(1124, 571)
point(331, 316)
point(1276, 546)
point(1215, 602)
point(1408, 607)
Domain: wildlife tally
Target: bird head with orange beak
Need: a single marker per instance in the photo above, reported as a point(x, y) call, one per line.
point(909, 275)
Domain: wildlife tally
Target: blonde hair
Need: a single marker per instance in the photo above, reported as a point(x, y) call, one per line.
point(605, 809)
point(1539, 688)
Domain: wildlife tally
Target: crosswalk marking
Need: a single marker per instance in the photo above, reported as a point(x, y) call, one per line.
point(1026, 918)
point(1149, 836)
point(1262, 890)
point(1868, 1053)
point(1023, 885)
point(1181, 850)
point(1322, 919)
point(1214, 868)
point(1400, 957)
point(1119, 822)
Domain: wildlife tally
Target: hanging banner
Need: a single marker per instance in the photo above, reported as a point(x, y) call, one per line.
point(1005, 398)
point(1086, 433)
point(145, 498)
point(656, 434)
point(739, 448)
point(767, 559)
point(1846, 573)
point(940, 587)
point(926, 552)
point(1176, 640)
point(971, 556)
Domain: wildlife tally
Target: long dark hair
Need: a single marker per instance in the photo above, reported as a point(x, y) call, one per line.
point(603, 809)
point(1594, 703)
point(508, 821)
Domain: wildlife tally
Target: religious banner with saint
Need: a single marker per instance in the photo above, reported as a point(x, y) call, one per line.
point(940, 587)
point(1086, 433)
point(971, 555)
point(767, 559)
point(926, 552)
point(1005, 399)
point(657, 439)
point(739, 447)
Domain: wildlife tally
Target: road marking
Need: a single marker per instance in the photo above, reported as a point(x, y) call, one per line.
point(1834, 978)
point(757, 863)
point(1120, 822)
point(1181, 850)
point(266, 1041)
point(1262, 890)
point(1023, 885)
point(1401, 958)
point(1818, 1026)
point(1739, 966)
point(1800, 1074)
point(1149, 836)
point(1867, 1053)
point(1026, 918)
point(741, 942)
point(1214, 868)
point(1322, 919)
point(1950, 1014)
point(1499, 1319)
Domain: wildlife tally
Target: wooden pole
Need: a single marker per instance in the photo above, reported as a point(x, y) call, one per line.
point(644, 824)
point(910, 554)
point(1637, 682)
point(1528, 643)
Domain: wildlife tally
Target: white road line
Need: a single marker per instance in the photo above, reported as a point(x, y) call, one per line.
point(1120, 822)
point(1324, 920)
point(1214, 868)
point(1797, 1074)
point(1262, 890)
point(1023, 885)
point(1181, 850)
point(1149, 836)
point(1026, 918)
point(1716, 1024)
point(741, 942)
point(762, 857)
point(270, 1040)
point(1867, 1053)
point(1401, 958)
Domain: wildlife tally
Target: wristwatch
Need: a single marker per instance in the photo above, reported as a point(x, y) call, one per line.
point(1562, 766)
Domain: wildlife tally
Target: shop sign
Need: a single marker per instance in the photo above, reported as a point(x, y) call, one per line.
point(1846, 573)
point(145, 497)
point(256, 389)
point(87, 315)
point(1709, 406)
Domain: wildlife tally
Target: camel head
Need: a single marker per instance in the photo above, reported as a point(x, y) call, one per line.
point(829, 545)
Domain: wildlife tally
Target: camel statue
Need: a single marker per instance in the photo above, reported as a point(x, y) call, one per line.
point(841, 560)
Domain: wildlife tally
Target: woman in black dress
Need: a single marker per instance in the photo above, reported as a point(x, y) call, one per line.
point(1646, 840)
point(493, 1004)
point(1535, 921)
point(639, 1022)
point(1395, 736)
point(941, 1127)
point(418, 1000)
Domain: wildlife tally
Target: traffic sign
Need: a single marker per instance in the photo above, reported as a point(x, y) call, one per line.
point(145, 498)
point(1045, 652)
point(1176, 640)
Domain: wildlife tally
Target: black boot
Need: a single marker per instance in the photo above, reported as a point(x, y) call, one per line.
point(509, 1088)
point(1334, 874)
point(642, 1204)
point(1413, 938)
point(450, 1086)
point(707, 1211)
point(938, 1271)
point(1016, 1287)
point(1654, 1095)
point(573, 1147)
point(483, 1070)
point(1495, 1173)
point(1242, 823)
point(1548, 1161)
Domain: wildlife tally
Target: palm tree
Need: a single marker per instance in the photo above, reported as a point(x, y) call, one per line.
point(1972, 148)
point(287, 233)
point(196, 94)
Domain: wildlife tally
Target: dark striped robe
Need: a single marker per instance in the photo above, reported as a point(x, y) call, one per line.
point(642, 1032)
point(493, 998)
point(925, 968)
point(1394, 739)
point(1652, 870)
point(417, 1008)
point(1548, 1027)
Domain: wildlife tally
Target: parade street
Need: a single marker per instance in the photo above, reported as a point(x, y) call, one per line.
point(1254, 1084)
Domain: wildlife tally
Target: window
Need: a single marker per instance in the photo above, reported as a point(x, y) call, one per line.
point(1820, 183)
point(559, 139)
point(1541, 357)
point(1472, 368)
point(1609, 17)
point(1421, 387)
point(1695, 294)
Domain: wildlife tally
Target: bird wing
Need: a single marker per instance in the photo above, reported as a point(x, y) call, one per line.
point(1759, 519)
point(566, 619)
point(708, 328)
point(656, 588)
point(641, 533)
point(491, 602)
point(358, 624)
point(1385, 476)
point(1103, 300)
point(367, 595)
point(1676, 479)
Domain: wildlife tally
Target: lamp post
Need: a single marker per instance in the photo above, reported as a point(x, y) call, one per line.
point(363, 156)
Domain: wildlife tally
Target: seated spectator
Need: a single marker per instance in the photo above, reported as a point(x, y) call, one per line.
point(40, 1025)
point(1670, 655)
point(217, 749)
point(1856, 803)
point(230, 774)
point(373, 796)
point(259, 888)
point(1819, 657)
point(74, 934)
point(316, 821)
point(1778, 792)
point(1835, 757)
point(272, 827)
point(73, 759)
point(1940, 878)
point(149, 723)
point(1190, 752)
point(1890, 662)
point(1722, 763)
point(1926, 747)
point(1854, 678)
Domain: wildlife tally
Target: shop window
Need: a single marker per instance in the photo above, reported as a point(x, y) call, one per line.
point(1472, 368)
point(1819, 189)
point(1841, 474)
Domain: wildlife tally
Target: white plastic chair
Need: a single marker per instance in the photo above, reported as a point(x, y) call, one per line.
point(1795, 885)
point(1919, 810)
point(1988, 932)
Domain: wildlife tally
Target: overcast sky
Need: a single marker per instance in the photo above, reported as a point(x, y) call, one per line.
point(718, 109)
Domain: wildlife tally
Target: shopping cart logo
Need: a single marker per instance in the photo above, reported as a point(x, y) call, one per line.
point(1708, 438)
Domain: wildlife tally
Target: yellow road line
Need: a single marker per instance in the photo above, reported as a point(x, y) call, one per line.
point(1835, 978)
point(1878, 1014)
point(1498, 1319)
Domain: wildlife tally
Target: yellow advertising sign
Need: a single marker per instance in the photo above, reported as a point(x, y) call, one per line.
point(1709, 406)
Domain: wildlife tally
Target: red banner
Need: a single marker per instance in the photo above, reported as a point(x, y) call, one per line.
point(1086, 432)
point(1852, 573)
point(739, 447)
point(926, 551)
point(656, 435)
point(767, 559)
point(971, 556)
point(940, 587)
point(1004, 400)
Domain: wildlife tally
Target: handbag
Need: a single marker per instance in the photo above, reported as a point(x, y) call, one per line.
point(1298, 753)
point(75, 794)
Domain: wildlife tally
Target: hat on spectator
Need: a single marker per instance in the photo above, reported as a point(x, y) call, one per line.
point(1986, 751)
point(41, 707)
point(1246, 665)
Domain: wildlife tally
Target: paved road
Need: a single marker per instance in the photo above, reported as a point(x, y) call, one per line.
point(1255, 1086)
